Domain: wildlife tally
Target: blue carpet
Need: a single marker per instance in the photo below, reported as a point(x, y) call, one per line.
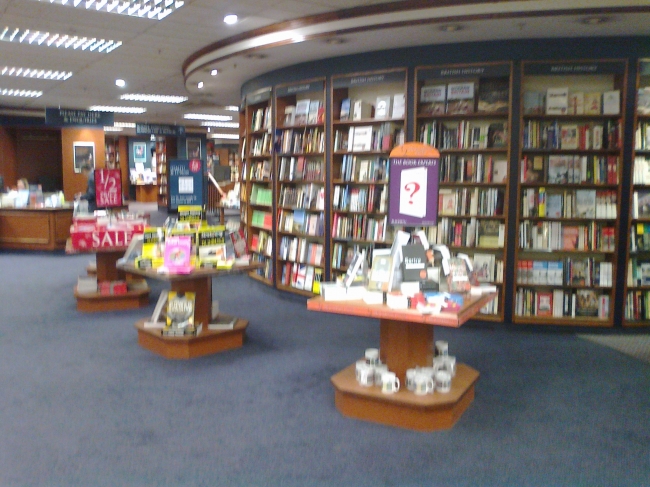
point(83, 405)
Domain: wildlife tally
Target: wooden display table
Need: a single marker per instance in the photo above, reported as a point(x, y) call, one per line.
point(406, 341)
point(199, 281)
point(35, 228)
point(106, 270)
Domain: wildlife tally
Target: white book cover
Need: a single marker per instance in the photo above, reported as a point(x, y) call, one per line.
point(399, 105)
point(433, 93)
point(413, 203)
point(460, 91)
point(362, 139)
point(557, 101)
point(612, 102)
point(383, 107)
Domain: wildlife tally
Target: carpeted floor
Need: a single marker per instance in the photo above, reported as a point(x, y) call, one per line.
point(634, 345)
point(82, 405)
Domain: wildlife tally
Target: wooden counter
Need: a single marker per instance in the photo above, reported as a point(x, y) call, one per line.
point(146, 193)
point(35, 228)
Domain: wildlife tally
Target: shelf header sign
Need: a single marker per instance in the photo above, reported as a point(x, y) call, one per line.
point(185, 183)
point(108, 188)
point(414, 170)
point(158, 129)
point(65, 117)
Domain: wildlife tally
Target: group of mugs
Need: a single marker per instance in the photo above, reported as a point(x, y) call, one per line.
point(420, 380)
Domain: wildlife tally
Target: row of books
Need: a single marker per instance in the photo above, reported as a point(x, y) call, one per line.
point(306, 196)
point(261, 119)
point(562, 101)
point(368, 199)
point(641, 171)
point(643, 101)
point(453, 98)
point(473, 169)
point(561, 236)
point(260, 171)
point(464, 134)
point(359, 227)
point(301, 250)
point(642, 136)
point(301, 168)
point(261, 195)
point(262, 219)
point(638, 272)
point(309, 140)
point(554, 135)
point(304, 112)
point(570, 169)
point(471, 233)
point(386, 106)
point(364, 169)
point(570, 203)
point(637, 305)
point(342, 254)
point(369, 138)
point(261, 145)
point(298, 221)
point(551, 272)
point(262, 243)
point(470, 201)
point(640, 237)
point(560, 303)
point(266, 271)
point(302, 276)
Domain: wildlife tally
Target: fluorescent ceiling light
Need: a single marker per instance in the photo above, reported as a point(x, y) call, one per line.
point(230, 19)
point(149, 9)
point(225, 136)
point(113, 129)
point(231, 108)
point(120, 82)
point(23, 93)
point(225, 125)
point(65, 41)
point(105, 108)
point(35, 73)
point(125, 125)
point(205, 116)
point(154, 98)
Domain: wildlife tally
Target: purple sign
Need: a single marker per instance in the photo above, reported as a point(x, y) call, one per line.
point(413, 191)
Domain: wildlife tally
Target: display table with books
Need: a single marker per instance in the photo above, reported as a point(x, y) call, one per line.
point(406, 341)
point(227, 332)
point(122, 292)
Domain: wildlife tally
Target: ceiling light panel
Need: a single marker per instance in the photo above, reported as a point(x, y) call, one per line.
point(225, 125)
point(20, 93)
point(225, 136)
point(105, 108)
point(143, 9)
point(62, 41)
point(154, 98)
point(35, 73)
point(206, 116)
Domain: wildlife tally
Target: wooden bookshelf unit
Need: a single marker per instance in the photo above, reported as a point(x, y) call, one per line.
point(406, 341)
point(207, 342)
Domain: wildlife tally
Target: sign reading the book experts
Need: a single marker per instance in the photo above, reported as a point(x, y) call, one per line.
point(108, 188)
point(185, 183)
point(413, 185)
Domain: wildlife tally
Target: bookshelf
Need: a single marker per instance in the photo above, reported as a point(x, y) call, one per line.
point(637, 283)
point(300, 197)
point(465, 112)
point(112, 152)
point(368, 120)
point(569, 191)
point(258, 178)
point(161, 170)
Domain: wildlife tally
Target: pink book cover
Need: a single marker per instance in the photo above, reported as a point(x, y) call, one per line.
point(177, 254)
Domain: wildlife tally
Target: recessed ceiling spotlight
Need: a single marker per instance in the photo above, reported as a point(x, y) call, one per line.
point(214, 72)
point(230, 19)
point(594, 20)
point(199, 85)
point(450, 27)
point(256, 55)
point(335, 41)
point(120, 82)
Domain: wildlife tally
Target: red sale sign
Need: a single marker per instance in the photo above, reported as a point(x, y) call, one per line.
point(108, 188)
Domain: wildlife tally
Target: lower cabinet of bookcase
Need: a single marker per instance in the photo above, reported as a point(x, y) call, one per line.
point(208, 342)
point(405, 409)
point(96, 302)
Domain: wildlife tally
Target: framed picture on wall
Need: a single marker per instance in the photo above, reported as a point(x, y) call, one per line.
point(83, 153)
point(194, 148)
point(139, 152)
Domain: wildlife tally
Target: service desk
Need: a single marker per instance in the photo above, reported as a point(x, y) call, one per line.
point(35, 228)
point(146, 193)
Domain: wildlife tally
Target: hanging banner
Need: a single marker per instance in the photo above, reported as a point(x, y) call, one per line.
point(413, 185)
point(108, 188)
point(185, 183)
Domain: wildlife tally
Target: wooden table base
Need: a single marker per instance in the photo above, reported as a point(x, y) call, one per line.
point(405, 409)
point(95, 302)
point(207, 343)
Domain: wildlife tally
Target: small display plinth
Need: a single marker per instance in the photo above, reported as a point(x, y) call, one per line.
point(405, 409)
point(96, 302)
point(187, 347)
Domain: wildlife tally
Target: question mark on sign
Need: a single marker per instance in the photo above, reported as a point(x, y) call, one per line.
point(413, 187)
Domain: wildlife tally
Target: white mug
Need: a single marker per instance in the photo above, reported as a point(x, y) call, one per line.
point(360, 364)
point(430, 371)
point(410, 378)
point(372, 356)
point(423, 384)
point(379, 372)
point(450, 364)
point(443, 381)
point(442, 347)
point(366, 375)
point(389, 383)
